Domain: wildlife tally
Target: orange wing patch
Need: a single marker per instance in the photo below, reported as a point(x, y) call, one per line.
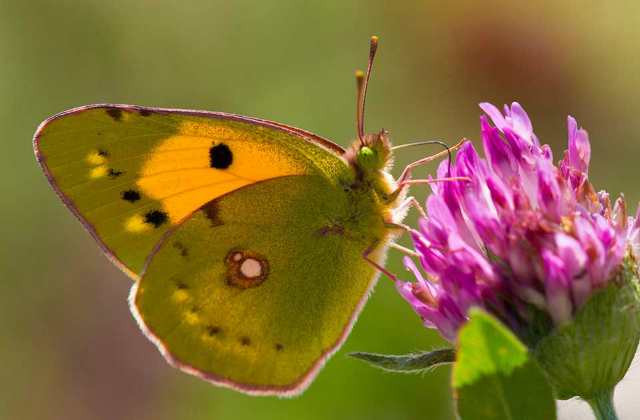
point(187, 170)
point(131, 174)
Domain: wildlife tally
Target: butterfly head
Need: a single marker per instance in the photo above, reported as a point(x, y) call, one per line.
point(372, 153)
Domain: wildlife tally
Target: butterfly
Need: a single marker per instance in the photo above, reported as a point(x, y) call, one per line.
point(253, 245)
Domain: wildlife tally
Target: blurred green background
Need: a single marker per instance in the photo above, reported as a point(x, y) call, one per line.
point(69, 346)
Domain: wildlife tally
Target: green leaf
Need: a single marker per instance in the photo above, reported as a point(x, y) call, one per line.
point(410, 363)
point(495, 378)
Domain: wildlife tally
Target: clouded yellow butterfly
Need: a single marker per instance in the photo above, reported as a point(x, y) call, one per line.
point(245, 237)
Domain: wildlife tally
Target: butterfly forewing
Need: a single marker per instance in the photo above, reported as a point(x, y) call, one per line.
point(130, 174)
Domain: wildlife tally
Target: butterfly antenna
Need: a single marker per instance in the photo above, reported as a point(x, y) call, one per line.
point(359, 83)
point(420, 143)
point(372, 54)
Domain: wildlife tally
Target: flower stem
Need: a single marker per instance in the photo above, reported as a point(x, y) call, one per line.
point(602, 405)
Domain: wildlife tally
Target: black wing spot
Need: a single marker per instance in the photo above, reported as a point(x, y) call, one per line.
point(212, 212)
point(184, 252)
point(156, 218)
point(113, 174)
point(115, 113)
point(102, 152)
point(212, 330)
point(245, 341)
point(181, 286)
point(145, 112)
point(279, 346)
point(130, 195)
point(220, 156)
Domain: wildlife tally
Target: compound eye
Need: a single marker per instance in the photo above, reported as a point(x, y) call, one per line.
point(368, 158)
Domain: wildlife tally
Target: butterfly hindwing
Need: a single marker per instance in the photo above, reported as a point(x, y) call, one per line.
point(130, 174)
point(258, 287)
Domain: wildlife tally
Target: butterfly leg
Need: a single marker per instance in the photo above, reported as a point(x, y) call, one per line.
point(407, 170)
point(414, 233)
point(407, 203)
point(403, 180)
point(377, 266)
point(394, 195)
point(405, 250)
point(433, 181)
point(400, 226)
point(382, 269)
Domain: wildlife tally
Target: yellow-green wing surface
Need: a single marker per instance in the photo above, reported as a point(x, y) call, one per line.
point(130, 174)
point(258, 287)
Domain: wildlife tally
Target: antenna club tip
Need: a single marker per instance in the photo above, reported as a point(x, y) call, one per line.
point(374, 44)
point(359, 74)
